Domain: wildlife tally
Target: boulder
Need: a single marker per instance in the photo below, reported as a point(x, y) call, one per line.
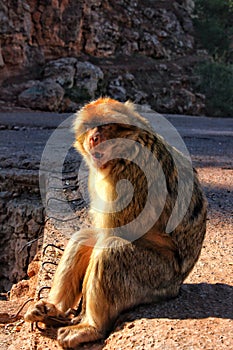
point(45, 95)
point(61, 71)
point(80, 80)
point(88, 77)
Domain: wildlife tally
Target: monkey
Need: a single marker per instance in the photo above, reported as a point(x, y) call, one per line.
point(128, 257)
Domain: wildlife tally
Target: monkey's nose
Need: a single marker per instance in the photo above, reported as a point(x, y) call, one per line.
point(94, 140)
point(98, 155)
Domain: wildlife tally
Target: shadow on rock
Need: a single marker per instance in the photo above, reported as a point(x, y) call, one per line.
point(195, 301)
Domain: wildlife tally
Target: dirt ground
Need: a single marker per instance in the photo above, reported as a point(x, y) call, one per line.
point(200, 318)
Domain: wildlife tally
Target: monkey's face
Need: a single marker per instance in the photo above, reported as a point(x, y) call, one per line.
point(98, 145)
point(102, 128)
point(103, 145)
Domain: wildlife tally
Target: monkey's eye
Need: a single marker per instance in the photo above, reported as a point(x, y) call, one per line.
point(94, 139)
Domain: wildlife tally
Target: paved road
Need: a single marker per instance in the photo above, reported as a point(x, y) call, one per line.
point(23, 136)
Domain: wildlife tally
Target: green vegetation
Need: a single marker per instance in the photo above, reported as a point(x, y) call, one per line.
point(214, 28)
point(217, 84)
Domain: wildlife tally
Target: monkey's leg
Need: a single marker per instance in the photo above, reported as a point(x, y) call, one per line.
point(119, 276)
point(67, 284)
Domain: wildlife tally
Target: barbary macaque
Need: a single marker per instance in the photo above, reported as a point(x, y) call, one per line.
point(129, 256)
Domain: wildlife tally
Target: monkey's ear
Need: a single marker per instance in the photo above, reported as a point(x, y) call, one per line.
point(79, 147)
point(76, 145)
point(129, 104)
point(78, 126)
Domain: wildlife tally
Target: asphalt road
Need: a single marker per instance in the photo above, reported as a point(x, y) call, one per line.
point(24, 134)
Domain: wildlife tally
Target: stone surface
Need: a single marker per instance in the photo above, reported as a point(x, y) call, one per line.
point(66, 83)
point(21, 222)
point(56, 55)
point(46, 95)
point(39, 30)
point(87, 77)
point(61, 71)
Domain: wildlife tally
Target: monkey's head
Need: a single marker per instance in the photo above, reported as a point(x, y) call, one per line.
point(102, 127)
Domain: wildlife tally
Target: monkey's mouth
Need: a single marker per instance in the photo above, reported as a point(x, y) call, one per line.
point(98, 159)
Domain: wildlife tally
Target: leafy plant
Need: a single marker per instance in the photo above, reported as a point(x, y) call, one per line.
point(214, 26)
point(216, 82)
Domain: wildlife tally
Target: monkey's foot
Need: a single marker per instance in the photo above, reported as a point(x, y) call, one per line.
point(70, 337)
point(47, 313)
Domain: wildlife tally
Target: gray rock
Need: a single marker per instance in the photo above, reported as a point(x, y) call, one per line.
point(61, 71)
point(87, 77)
point(22, 222)
point(45, 95)
point(116, 89)
point(1, 59)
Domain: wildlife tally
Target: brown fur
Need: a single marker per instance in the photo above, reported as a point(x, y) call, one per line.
point(114, 272)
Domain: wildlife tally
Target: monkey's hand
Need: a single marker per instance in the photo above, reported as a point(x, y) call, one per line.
point(47, 313)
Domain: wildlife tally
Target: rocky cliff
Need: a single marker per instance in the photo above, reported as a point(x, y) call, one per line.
point(55, 55)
